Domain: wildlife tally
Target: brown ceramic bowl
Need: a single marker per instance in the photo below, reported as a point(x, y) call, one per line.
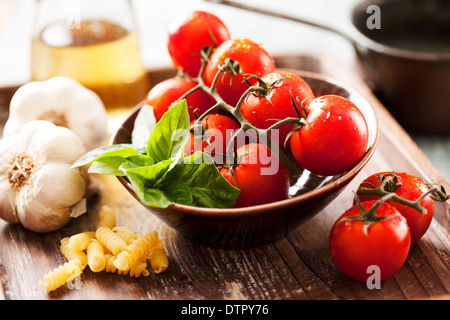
point(258, 225)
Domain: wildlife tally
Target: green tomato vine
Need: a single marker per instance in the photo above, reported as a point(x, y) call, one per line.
point(261, 89)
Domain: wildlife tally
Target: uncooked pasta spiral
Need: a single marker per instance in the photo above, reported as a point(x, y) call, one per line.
point(76, 256)
point(158, 258)
point(107, 217)
point(139, 268)
point(135, 250)
point(110, 267)
point(110, 240)
point(80, 241)
point(96, 256)
point(128, 235)
point(61, 275)
point(136, 270)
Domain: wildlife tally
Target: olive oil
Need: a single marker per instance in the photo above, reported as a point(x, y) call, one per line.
point(103, 56)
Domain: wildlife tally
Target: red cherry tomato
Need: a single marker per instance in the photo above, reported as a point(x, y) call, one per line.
point(277, 104)
point(410, 188)
point(384, 244)
point(253, 59)
point(165, 93)
point(189, 34)
point(217, 131)
point(259, 175)
point(335, 139)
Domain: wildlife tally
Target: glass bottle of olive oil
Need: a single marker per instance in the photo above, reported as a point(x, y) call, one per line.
point(104, 56)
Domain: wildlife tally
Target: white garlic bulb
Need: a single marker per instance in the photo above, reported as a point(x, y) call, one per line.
point(38, 187)
point(64, 102)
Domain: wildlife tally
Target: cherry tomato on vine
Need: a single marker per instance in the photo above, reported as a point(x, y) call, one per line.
point(166, 92)
point(408, 187)
point(189, 34)
point(260, 176)
point(253, 59)
point(384, 244)
point(335, 138)
point(213, 138)
point(264, 110)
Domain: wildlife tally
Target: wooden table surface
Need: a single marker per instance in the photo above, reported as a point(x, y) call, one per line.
point(298, 266)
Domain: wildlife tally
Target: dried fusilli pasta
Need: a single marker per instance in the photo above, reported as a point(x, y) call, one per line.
point(107, 217)
point(109, 248)
point(80, 241)
point(61, 275)
point(139, 268)
point(128, 235)
point(110, 240)
point(76, 256)
point(96, 256)
point(110, 267)
point(136, 270)
point(158, 258)
point(134, 251)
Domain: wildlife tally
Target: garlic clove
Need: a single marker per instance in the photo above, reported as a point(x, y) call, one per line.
point(21, 108)
point(62, 145)
point(39, 217)
point(89, 123)
point(86, 115)
point(57, 185)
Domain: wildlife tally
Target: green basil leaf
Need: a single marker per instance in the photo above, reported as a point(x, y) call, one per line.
point(143, 126)
point(149, 196)
point(152, 173)
point(170, 134)
point(124, 150)
point(108, 165)
point(142, 160)
point(207, 186)
point(177, 191)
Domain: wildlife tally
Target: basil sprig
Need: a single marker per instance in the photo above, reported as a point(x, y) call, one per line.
point(155, 165)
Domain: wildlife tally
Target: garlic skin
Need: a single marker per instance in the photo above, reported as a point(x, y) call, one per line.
point(38, 187)
point(64, 102)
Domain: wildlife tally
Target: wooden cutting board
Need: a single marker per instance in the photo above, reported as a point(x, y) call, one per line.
point(298, 266)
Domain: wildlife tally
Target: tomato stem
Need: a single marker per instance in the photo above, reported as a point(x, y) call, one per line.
point(232, 67)
point(389, 183)
point(369, 216)
point(438, 193)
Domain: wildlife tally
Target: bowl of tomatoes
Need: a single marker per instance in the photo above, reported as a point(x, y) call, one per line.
point(248, 223)
point(233, 152)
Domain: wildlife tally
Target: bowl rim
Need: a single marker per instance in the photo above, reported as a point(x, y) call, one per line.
point(343, 179)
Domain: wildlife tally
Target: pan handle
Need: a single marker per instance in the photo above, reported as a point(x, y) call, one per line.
point(282, 16)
